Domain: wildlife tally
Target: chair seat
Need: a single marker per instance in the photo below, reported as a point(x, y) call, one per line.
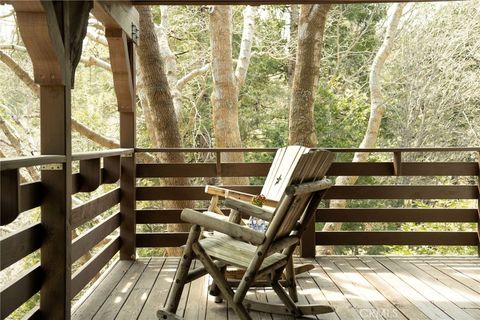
point(235, 252)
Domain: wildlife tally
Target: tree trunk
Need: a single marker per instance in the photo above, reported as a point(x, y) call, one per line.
point(377, 109)
point(226, 82)
point(294, 16)
point(162, 120)
point(170, 61)
point(311, 27)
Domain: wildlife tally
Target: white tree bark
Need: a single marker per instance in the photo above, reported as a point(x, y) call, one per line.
point(245, 54)
point(377, 106)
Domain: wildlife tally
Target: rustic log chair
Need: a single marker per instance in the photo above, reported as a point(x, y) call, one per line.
point(275, 184)
point(259, 254)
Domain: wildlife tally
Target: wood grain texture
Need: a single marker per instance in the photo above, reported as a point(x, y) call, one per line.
point(94, 207)
point(92, 237)
point(17, 291)
point(19, 244)
point(392, 288)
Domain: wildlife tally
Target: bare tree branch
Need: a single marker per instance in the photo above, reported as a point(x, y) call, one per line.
point(20, 73)
point(15, 141)
point(11, 46)
point(94, 136)
point(94, 61)
point(87, 61)
point(192, 74)
point(97, 37)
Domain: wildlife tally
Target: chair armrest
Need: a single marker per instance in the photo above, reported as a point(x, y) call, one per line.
point(227, 193)
point(308, 187)
point(212, 221)
point(249, 209)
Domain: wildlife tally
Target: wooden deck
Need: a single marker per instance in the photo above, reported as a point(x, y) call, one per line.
point(363, 287)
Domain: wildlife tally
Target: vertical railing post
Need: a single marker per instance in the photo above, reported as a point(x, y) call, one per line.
point(478, 204)
point(308, 242)
point(123, 68)
point(54, 45)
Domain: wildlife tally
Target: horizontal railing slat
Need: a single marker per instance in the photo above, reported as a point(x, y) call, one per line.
point(342, 150)
point(402, 192)
point(91, 238)
point(165, 216)
point(19, 290)
point(445, 238)
point(257, 169)
point(21, 162)
point(101, 154)
point(335, 192)
point(161, 239)
point(94, 207)
point(260, 169)
point(18, 245)
point(31, 195)
point(396, 215)
point(407, 169)
point(93, 266)
point(185, 192)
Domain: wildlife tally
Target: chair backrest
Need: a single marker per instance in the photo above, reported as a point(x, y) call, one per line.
point(311, 167)
point(281, 171)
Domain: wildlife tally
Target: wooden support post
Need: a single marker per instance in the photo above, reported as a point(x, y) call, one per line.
point(10, 195)
point(53, 33)
point(218, 163)
point(478, 204)
point(123, 67)
point(308, 242)
point(111, 169)
point(397, 163)
point(307, 223)
point(90, 172)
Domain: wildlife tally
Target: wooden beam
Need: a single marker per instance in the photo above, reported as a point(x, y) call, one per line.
point(42, 36)
point(118, 15)
point(121, 69)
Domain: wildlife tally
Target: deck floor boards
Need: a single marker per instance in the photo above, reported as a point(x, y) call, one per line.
point(359, 287)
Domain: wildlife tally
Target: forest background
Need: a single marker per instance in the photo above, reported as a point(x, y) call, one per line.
point(414, 69)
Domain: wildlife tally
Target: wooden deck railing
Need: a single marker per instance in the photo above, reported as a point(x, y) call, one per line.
point(394, 168)
point(93, 172)
point(17, 198)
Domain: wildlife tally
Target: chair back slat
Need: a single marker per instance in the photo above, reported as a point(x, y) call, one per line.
point(311, 167)
point(280, 172)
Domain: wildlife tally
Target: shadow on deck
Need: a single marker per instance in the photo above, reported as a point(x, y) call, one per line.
point(362, 287)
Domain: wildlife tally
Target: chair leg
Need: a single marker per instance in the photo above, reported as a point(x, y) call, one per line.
point(220, 281)
point(214, 290)
point(286, 299)
point(182, 272)
point(290, 277)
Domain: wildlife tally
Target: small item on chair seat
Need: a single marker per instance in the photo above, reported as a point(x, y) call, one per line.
point(256, 223)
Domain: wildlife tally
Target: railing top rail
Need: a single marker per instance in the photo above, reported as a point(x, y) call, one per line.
point(101, 154)
point(343, 150)
point(21, 162)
